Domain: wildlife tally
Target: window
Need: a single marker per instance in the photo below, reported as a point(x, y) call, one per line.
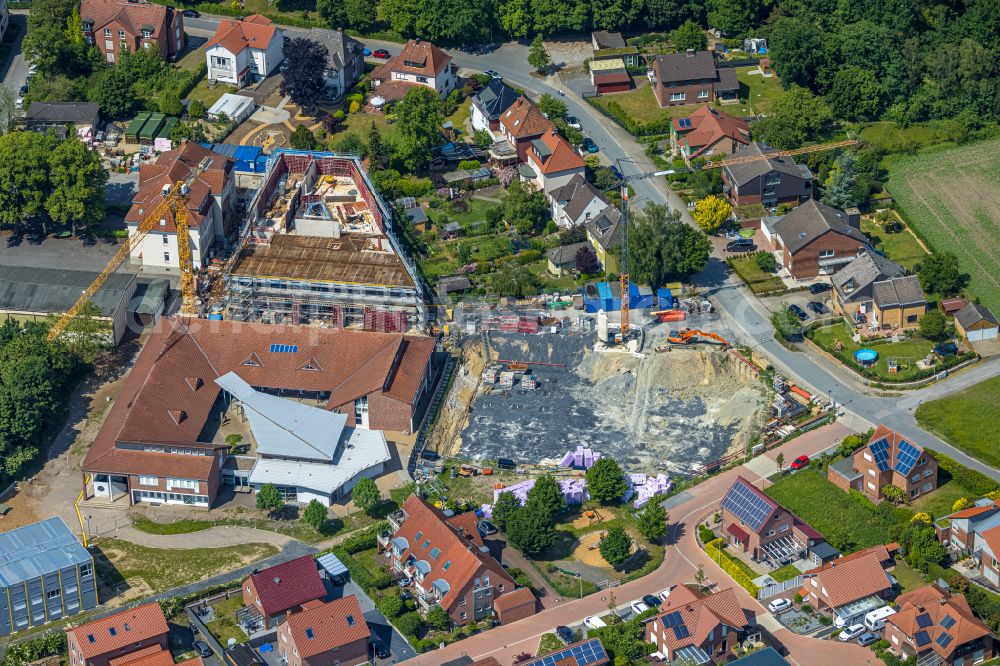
point(398, 75)
point(770, 533)
point(149, 481)
point(426, 543)
point(921, 461)
point(421, 79)
point(166, 239)
point(419, 534)
point(871, 486)
point(107, 32)
point(462, 614)
point(702, 94)
point(52, 594)
point(678, 97)
point(86, 570)
point(928, 472)
point(826, 254)
point(166, 257)
point(146, 34)
point(911, 319)
point(871, 471)
point(121, 35)
point(784, 528)
point(772, 179)
point(868, 457)
point(486, 581)
point(112, 631)
point(914, 492)
point(500, 587)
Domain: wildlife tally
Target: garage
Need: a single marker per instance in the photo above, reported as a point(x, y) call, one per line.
point(976, 323)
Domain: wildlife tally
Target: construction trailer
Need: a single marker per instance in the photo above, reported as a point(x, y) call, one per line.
point(320, 246)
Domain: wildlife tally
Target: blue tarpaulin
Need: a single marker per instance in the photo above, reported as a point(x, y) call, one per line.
point(607, 296)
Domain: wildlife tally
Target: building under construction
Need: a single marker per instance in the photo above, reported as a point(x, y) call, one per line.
point(319, 246)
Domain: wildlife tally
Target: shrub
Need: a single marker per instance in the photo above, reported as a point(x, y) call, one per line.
point(706, 535)
point(438, 618)
point(365, 539)
point(410, 624)
point(469, 165)
point(25, 652)
point(798, 598)
point(365, 579)
point(615, 111)
point(825, 620)
point(766, 262)
point(354, 107)
point(714, 550)
point(975, 481)
point(390, 603)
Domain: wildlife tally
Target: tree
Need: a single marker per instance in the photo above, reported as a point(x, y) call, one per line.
point(314, 514)
point(482, 139)
point(86, 333)
point(114, 94)
point(732, 17)
point(616, 546)
point(302, 139)
point(940, 274)
point(418, 126)
point(856, 94)
point(780, 460)
point(689, 35)
point(505, 506)
point(538, 57)
point(303, 79)
point(514, 17)
point(24, 176)
point(378, 152)
point(553, 107)
point(233, 442)
point(361, 14)
point(332, 12)
point(606, 481)
point(792, 48)
point(77, 179)
point(530, 529)
point(766, 262)
point(666, 14)
point(842, 187)
point(786, 324)
point(615, 14)
point(512, 282)
point(438, 618)
point(933, 326)
point(795, 117)
point(8, 109)
point(604, 179)
point(961, 503)
point(269, 499)
point(662, 248)
point(922, 517)
point(170, 103)
point(711, 212)
point(524, 208)
point(366, 495)
point(894, 494)
point(652, 520)
point(547, 496)
point(586, 261)
point(196, 109)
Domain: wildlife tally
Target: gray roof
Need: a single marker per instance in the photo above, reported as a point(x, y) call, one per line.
point(82, 113)
point(810, 220)
point(40, 548)
point(898, 292)
point(286, 428)
point(576, 195)
point(747, 171)
point(867, 268)
point(339, 46)
point(766, 657)
point(608, 40)
point(973, 313)
point(845, 467)
point(454, 283)
point(564, 254)
point(494, 99)
point(605, 229)
point(29, 289)
point(727, 80)
point(149, 296)
point(824, 551)
point(684, 66)
point(416, 215)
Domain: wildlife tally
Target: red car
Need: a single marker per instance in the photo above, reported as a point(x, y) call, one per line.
point(381, 53)
point(800, 463)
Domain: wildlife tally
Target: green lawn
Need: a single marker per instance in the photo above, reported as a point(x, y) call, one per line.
point(207, 94)
point(939, 502)
point(901, 247)
point(908, 577)
point(293, 528)
point(838, 516)
point(786, 572)
point(760, 92)
point(906, 352)
point(967, 419)
point(758, 281)
point(540, 268)
point(548, 643)
point(225, 624)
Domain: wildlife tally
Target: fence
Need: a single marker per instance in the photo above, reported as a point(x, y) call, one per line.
point(772, 590)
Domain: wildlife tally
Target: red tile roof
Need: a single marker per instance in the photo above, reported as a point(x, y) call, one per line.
point(561, 155)
point(467, 524)
point(849, 581)
point(254, 32)
point(937, 604)
point(158, 657)
point(702, 614)
point(138, 654)
point(131, 16)
point(708, 126)
point(612, 77)
point(418, 57)
point(287, 585)
point(737, 532)
point(522, 596)
point(126, 627)
point(992, 539)
point(326, 627)
point(523, 119)
point(972, 511)
point(885, 553)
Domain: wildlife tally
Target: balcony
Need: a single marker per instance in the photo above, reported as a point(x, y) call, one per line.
point(396, 519)
point(427, 601)
point(383, 538)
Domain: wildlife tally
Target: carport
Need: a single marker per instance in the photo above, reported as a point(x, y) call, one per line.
point(332, 565)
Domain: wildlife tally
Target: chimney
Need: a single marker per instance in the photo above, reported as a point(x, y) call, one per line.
point(690, 53)
point(853, 217)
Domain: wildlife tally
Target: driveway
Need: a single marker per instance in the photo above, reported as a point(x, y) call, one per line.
point(59, 253)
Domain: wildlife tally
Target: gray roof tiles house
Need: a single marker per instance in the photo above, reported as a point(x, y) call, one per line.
point(684, 66)
point(29, 289)
point(973, 313)
point(747, 171)
point(494, 99)
point(727, 80)
point(40, 548)
point(867, 268)
point(810, 220)
point(606, 227)
point(565, 254)
point(898, 292)
point(576, 195)
point(608, 40)
point(338, 45)
point(87, 113)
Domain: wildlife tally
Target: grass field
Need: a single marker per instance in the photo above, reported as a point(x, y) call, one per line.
point(951, 198)
point(939, 502)
point(907, 351)
point(902, 247)
point(786, 572)
point(758, 281)
point(967, 419)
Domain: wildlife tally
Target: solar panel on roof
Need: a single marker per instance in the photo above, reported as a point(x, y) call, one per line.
point(284, 349)
point(671, 620)
point(684, 123)
point(907, 457)
point(922, 638)
point(880, 451)
point(681, 631)
point(924, 620)
point(584, 654)
point(947, 622)
point(944, 639)
point(746, 505)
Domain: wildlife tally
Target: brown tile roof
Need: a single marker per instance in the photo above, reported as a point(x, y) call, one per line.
point(328, 626)
point(971, 512)
point(138, 654)
point(522, 596)
point(708, 126)
point(849, 581)
point(560, 157)
point(701, 614)
point(885, 553)
point(420, 57)
point(467, 524)
point(288, 584)
point(157, 657)
point(124, 628)
point(937, 605)
point(131, 16)
point(684, 66)
point(737, 532)
point(464, 560)
point(523, 119)
point(612, 77)
point(254, 32)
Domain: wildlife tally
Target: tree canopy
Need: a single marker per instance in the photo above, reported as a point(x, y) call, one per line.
point(606, 481)
point(662, 248)
point(652, 520)
point(505, 506)
point(616, 546)
point(940, 274)
point(366, 495)
point(530, 529)
point(303, 79)
point(711, 212)
point(418, 126)
point(314, 514)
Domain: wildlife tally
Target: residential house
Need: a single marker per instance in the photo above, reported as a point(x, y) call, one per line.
point(454, 284)
point(974, 322)
point(698, 628)
point(420, 63)
point(324, 634)
point(852, 284)
point(762, 528)
point(489, 104)
point(140, 630)
point(610, 75)
point(113, 25)
point(957, 531)
point(576, 202)
point(522, 123)
point(554, 161)
point(345, 60)
point(898, 303)
point(604, 39)
point(939, 627)
point(562, 259)
point(45, 116)
point(848, 588)
point(45, 575)
point(770, 179)
point(446, 561)
point(885, 553)
point(244, 51)
point(706, 133)
point(605, 234)
point(887, 459)
point(589, 652)
point(210, 202)
point(692, 77)
point(986, 553)
point(817, 239)
point(275, 591)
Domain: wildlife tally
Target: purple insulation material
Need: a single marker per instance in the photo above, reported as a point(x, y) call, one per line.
point(574, 491)
point(487, 510)
point(653, 486)
point(567, 460)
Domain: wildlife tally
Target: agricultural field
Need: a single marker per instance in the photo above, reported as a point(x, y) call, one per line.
point(951, 199)
point(966, 419)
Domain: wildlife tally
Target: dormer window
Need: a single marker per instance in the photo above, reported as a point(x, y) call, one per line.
point(147, 34)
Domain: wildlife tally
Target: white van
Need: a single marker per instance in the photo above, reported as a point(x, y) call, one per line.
point(875, 620)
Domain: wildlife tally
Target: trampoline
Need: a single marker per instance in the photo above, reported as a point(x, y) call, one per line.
point(866, 357)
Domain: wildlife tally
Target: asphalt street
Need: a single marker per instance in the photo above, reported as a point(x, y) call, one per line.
point(15, 72)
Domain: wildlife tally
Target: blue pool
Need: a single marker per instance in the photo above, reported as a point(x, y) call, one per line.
point(866, 356)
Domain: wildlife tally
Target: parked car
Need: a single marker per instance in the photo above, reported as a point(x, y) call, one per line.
point(191, 13)
point(573, 122)
point(617, 173)
point(19, 103)
point(867, 639)
point(819, 288)
point(589, 145)
point(638, 606)
point(379, 648)
point(816, 307)
point(651, 601)
point(594, 622)
point(740, 245)
point(367, 51)
point(799, 312)
point(23, 90)
point(381, 53)
point(778, 605)
point(852, 632)
point(201, 647)
point(663, 594)
point(493, 74)
point(801, 462)
point(946, 349)
point(626, 614)
point(486, 528)
point(565, 634)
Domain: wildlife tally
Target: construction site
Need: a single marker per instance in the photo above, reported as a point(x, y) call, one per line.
point(319, 247)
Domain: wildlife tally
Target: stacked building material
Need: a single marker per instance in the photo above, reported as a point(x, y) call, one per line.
point(582, 458)
point(574, 491)
point(650, 487)
point(529, 383)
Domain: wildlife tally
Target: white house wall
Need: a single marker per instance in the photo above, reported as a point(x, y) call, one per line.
point(239, 62)
point(479, 121)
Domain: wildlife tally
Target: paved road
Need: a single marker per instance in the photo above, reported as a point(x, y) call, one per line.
point(16, 69)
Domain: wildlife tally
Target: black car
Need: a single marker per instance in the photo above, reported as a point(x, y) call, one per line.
point(486, 528)
point(799, 312)
point(740, 245)
point(946, 349)
point(651, 601)
point(23, 91)
point(380, 650)
point(816, 307)
point(565, 634)
point(201, 647)
point(191, 13)
point(818, 288)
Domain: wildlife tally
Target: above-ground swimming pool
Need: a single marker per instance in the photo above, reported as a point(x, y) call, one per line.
point(866, 356)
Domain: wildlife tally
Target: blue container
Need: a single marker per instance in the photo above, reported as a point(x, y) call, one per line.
point(866, 357)
point(215, 316)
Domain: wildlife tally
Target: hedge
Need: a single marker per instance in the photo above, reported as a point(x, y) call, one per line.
point(25, 652)
point(360, 574)
point(615, 112)
point(975, 481)
point(174, 605)
point(365, 539)
point(714, 551)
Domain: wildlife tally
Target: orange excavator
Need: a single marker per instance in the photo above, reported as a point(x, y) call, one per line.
point(689, 336)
